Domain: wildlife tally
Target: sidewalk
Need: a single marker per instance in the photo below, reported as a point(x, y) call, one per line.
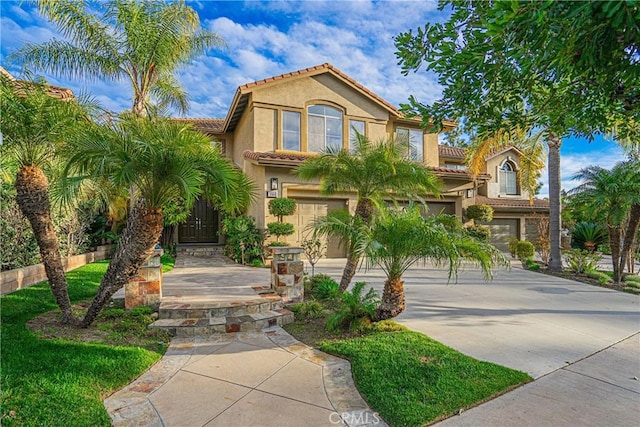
point(264, 378)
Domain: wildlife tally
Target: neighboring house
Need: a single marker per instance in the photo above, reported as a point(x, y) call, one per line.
point(277, 123)
point(54, 91)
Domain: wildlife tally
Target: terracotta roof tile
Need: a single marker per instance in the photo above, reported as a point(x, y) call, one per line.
point(204, 125)
point(452, 152)
point(513, 203)
point(256, 155)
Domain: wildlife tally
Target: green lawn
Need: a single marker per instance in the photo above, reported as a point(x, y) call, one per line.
point(47, 382)
point(412, 380)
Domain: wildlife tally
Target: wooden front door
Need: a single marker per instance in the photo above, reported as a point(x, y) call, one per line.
point(201, 226)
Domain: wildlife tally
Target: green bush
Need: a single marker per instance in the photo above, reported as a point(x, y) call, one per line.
point(256, 263)
point(480, 232)
point(604, 248)
point(480, 212)
point(531, 265)
point(308, 310)
point(581, 261)
point(601, 277)
point(278, 244)
point(632, 279)
point(241, 232)
point(327, 290)
point(356, 309)
point(312, 282)
point(513, 243)
point(282, 206)
point(588, 236)
point(280, 229)
point(525, 250)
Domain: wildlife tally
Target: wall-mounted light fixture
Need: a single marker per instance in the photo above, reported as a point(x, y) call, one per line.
point(469, 193)
point(273, 184)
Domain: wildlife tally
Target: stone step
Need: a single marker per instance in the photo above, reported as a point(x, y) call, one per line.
point(211, 310)
point(224, 324)
point(200, 251)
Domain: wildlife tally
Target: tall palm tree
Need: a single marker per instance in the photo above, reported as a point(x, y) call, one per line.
point(374, 171)
point(612, 195)
point(396, 239)
point(144, 42)
point(34, 124)
point(163, 161)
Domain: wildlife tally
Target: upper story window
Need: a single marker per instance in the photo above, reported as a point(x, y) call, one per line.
point(324, 128)
point(355, 127)
point(457, 166)
point(291, 130)
point(508, 178)
point(414, 139)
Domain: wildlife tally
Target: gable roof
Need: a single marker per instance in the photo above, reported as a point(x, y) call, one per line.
point(214, 126)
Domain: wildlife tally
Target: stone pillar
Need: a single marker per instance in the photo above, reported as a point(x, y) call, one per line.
point(146, 287)
point(287, 273)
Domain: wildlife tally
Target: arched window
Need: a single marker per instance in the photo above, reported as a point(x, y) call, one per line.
point(324, 128)
point(508, 178)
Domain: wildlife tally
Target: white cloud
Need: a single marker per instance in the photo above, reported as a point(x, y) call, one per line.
point(570, 164)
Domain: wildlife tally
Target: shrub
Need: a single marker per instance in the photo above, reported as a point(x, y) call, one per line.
point(312, 282)
point(282, 206)
point(327, 290)
point(280, 229)
point(601, 277)
point(513, 243)
point(480, 212)
point(278, 244)
point(525, 250)
point(604, 249)
point(388, 325)
point(632, 279)
point(256, 263)
point(543, 247)
point(587, 235)
point(531, 265)
point(480, 232)
point(314, 249)
point(581, 261)
point(355, 310)
point(244, 241)
point(308, 310)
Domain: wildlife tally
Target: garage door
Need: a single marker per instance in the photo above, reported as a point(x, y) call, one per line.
point(502, 229)
point(306, 212)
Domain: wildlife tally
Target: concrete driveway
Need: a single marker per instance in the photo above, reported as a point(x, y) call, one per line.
point(580, 342)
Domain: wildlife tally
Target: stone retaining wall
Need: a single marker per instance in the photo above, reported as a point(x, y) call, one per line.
point(12, 280)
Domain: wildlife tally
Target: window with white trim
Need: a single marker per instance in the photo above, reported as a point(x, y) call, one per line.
point(508, 179)
point(414, 140)
point(324, 128)
point(291, 130)
point(355, 127)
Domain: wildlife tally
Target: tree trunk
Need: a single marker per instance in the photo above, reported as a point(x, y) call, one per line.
point(364, 210)
point(615, 237)
point(143, 230)
point(555, 258)
point(630, 236)
point(32, 188)
point(393, 301)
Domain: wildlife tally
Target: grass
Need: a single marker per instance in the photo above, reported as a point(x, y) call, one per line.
point(406, 377)
point(412, 380)
point(55, 381)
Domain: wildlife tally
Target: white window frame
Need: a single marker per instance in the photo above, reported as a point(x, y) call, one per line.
point(415, 142)
point(326, 121)
point(508, 177)
point(291, 132)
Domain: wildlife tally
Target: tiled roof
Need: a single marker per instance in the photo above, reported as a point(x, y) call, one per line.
point(325, 66)
point(54, 91)
point(513, 203)
point(451, 152)
point(204, 125)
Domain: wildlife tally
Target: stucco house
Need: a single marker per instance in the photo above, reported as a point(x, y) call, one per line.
point(275, 124)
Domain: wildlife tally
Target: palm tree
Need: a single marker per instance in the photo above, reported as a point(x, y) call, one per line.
point(163, 161)
point(142, 41)
point(397, 239)
point(33, 125)
point(374, 171)
point(612, 195)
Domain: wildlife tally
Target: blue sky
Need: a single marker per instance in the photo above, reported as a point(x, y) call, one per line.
point(268, 38)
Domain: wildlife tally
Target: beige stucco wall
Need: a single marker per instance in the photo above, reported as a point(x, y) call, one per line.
point(493, 167)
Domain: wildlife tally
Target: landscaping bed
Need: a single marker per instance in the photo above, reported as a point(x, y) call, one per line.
point(58, 375)
point(405, 376)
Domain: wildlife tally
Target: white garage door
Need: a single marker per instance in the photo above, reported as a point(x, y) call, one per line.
point(306, 212)
point(502, 229)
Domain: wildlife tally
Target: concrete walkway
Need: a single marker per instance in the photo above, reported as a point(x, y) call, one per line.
point(579, 341)
point(243, 379)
